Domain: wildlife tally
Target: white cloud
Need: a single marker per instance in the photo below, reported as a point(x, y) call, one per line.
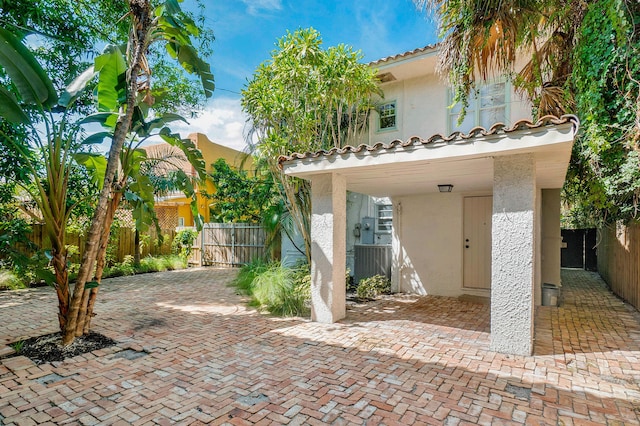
point(222, 121)
point(255, 6)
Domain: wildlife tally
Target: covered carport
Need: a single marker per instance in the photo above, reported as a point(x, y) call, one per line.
point(495, 229)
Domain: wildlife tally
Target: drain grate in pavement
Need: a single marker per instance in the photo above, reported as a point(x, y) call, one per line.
point(252, 399)
point(130, 354)
point(519, 391)
point(49, 378)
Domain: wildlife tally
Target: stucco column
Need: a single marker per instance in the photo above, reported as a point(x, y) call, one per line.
point(513, 234)
point(328, 247)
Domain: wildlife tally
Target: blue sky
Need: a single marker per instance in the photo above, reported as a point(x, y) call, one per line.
point(246, 32)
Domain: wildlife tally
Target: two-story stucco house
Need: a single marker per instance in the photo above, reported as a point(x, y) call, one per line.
point(471, 208)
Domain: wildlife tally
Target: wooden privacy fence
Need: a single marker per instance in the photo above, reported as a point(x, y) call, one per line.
point(229, 244)
point(125, 242)
point(619, 261)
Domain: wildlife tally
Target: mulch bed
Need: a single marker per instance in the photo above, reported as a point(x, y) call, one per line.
point(48, 348)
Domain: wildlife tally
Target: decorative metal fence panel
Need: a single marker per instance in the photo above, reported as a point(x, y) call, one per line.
point(230, 244)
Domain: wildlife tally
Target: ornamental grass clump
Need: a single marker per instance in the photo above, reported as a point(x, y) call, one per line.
point(369, 288)
point(278, 289)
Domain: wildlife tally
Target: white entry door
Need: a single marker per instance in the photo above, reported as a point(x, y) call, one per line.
point(477, 242)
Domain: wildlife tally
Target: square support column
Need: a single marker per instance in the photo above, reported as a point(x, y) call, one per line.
point(513, 234)
point(328, 247)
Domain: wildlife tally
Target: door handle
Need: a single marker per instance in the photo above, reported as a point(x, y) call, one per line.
point(467, 246)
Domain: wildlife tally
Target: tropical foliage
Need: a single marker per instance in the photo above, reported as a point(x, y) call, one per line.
point(604, 180)
point(304, 99)
point(124, 93)
point(182, 243)
point(241, 196)
point(485, 37)
point(69, 33)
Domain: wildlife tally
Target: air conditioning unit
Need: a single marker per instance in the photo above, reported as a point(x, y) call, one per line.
point(370, 260)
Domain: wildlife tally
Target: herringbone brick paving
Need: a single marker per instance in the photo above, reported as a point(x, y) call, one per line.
point(191, 352)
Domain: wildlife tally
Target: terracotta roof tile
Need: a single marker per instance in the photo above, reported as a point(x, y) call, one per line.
point(404, 55)
point(455, 137)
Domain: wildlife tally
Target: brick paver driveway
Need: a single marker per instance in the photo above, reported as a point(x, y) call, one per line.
point(191, 352)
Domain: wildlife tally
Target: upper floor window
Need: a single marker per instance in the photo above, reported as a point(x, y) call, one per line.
point(487, 106)
point(384, 218)
point(387, 116)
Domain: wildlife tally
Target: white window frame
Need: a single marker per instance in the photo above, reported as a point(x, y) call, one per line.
point(384, 107)
point(475, 106)
point(384, 224)
point(180, 221)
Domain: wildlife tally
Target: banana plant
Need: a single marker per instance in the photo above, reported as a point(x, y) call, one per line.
point(124, 89)
point(134, 185)
point(39, 130)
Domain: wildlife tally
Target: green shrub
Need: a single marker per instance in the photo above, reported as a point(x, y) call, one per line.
point(9, 281)
point(368, 288)
point(161, 263)
point(182, 243)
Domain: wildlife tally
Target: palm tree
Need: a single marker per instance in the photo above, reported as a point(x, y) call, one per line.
point(482, 38)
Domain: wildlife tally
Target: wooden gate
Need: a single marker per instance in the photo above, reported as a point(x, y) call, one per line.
point(230, 244)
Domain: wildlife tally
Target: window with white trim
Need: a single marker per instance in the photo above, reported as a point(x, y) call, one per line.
point(384, 218)
point(487, 106)
point(387, 114)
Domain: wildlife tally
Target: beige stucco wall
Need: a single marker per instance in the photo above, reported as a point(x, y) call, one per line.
point(429, 259)
point(422, 104)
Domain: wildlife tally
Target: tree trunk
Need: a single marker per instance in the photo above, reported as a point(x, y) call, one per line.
point(62, 286)
point(141, 13)
point(89, 295)
point(136, 257)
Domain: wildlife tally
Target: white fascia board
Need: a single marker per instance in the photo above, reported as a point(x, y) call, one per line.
point(518, 142)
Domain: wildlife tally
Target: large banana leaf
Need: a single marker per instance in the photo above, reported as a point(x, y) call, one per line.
point(95, 163)
point(10, 109)
point(95, 138)
point(176, 29)
point(33, 84)
point(107, 120)
point(194, 155)
point(145, 128)
point(71, 92)
point(112, 82)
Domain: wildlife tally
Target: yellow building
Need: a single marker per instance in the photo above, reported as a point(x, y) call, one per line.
point(174, 209)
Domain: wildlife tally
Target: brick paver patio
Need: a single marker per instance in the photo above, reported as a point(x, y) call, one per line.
point(191, 352)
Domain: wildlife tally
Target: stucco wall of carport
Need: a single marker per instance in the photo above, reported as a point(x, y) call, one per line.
point(427, 243)
point(427, 235)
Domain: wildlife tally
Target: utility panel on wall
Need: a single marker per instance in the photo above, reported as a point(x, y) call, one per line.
point(367, 230)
